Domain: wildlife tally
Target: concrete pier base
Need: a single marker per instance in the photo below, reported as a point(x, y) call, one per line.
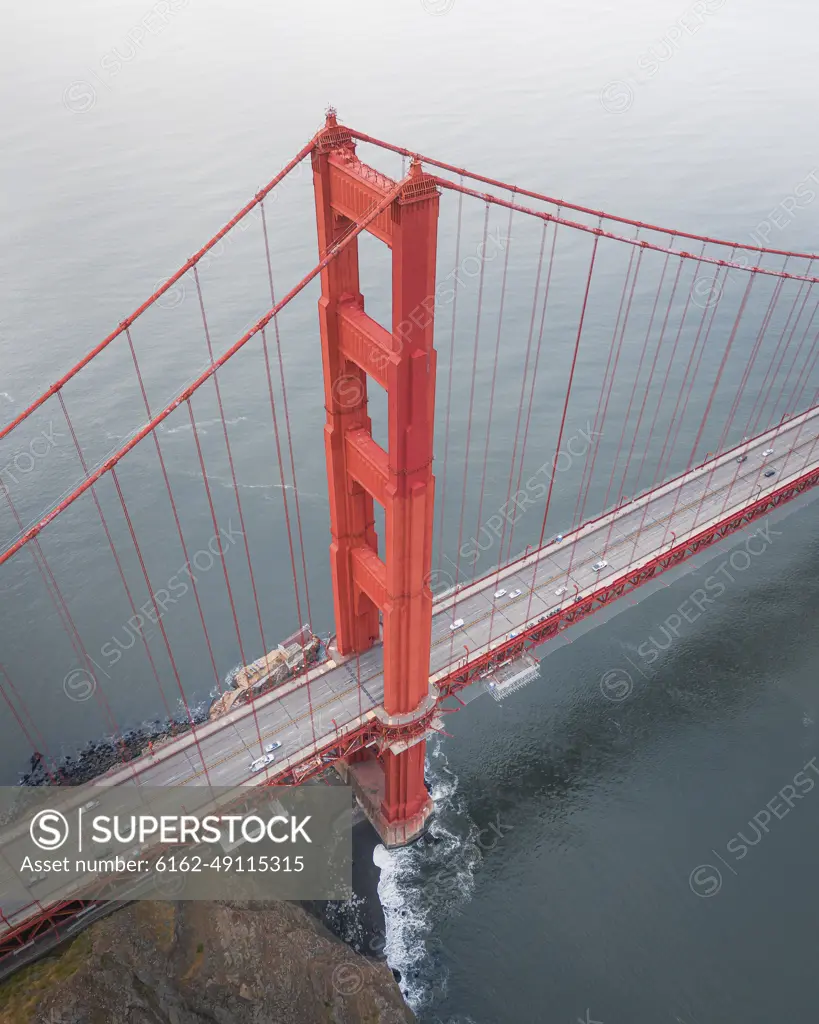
point(368, 782)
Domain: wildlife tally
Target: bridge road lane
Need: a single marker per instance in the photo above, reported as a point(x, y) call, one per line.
point(228, 751)
point(703, 496)
point(706, 495)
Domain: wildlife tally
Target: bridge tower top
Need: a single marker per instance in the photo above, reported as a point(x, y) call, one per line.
point(401, 359)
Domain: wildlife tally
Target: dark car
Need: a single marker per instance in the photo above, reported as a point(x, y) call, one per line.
point(769, 472)
point(741, 458)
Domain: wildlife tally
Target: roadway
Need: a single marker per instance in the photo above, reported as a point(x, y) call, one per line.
point(625, 539)
point(333, 703)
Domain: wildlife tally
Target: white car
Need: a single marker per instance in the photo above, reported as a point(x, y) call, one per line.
point(499, 593)
point(272, 746)
point(456, 624)
point(560, 591)
point(768, 451)
point(516, 593)
point(90, 805)
point(261, 762)
point(599, 566)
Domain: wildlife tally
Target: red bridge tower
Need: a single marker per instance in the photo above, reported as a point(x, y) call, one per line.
point(402, 361)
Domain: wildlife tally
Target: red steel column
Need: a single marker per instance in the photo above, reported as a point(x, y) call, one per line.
point(405, 795)
point(352, 521)
point(403, 361)
point(408, 612)
point(411, 487)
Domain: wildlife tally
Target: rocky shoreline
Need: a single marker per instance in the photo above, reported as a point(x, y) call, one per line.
point(99, 756)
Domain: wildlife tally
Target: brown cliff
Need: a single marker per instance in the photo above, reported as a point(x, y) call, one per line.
point(205, 963)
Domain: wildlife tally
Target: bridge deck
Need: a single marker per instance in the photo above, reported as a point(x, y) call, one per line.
point(683, 507)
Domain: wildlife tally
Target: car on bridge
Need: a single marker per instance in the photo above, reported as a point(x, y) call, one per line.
point(499, 593)
point(767, 452)
point(599, 566)
point(742, 458)
point(456, 624)
point(516, 593)
point(769, 472)
point(560, 591)
point(261, 763)
point(272, 746)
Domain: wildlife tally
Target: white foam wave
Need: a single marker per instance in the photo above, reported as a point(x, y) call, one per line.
point(406, 922)
point(230, 677)
point(421, 884)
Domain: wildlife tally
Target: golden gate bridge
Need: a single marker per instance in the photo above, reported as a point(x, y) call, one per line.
point(690, 365)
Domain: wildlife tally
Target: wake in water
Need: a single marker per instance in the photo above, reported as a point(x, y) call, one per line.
point(228, 485)
point(201, 427)
point(423, 884)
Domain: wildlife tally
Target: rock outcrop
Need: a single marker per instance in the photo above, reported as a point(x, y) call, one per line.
point(205, 963)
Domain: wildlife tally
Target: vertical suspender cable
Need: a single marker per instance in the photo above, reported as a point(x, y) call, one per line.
point(494, 375)
point(232, 468)
point(449, 381)
point(117, 561)
point(160, 623)
point(638, 371)
point(472, 394)
point(534, 382)
point(565, 410)
point(795, 360)
point(224, 561)
point(609, 376)
point(671, 363)
point(155, 436)
point(296, 498)
point(524, 376)
point(37, 742)
point(71, 629)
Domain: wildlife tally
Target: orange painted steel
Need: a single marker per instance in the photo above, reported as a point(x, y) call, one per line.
point(402, 360)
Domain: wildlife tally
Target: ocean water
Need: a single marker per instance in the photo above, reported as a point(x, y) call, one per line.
point(558, 881)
